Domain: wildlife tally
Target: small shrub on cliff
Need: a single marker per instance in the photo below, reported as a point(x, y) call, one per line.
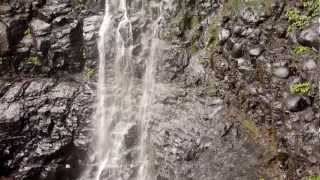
point(89, 73)
point(33, 60)
point(300, 88)
point(301, 50)
point(27, 32)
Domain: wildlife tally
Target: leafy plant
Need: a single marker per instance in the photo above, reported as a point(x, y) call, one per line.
point(89, 73)
point(312, 6)
point(33, 60)
point(300, 50)
point(27, 32)
point(300, 88)
point(296, 20)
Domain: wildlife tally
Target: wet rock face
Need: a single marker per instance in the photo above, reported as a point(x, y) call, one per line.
point(43, 126)
point(222, 107)
point(4, 41)
point(44, 122)
point(51, 33)
point(310, 37)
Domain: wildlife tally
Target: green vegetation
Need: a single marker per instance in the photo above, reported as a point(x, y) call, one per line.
point(2, 60)
point(312, 178)
point(81, 4)
point(28, 32)
point(194, 48)
point(300, 88)
point(297, 19)
point(301, 50)
point(231, 7)
point(202, 61)
point(213, 34)
point(312, 7)
point(33, 60)
point(195, 21)
point(252, 128)
point(194, 40)
point(89, 73)
point(188, 21)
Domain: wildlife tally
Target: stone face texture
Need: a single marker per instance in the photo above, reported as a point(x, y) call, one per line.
point(4, 41)
point(222, 107)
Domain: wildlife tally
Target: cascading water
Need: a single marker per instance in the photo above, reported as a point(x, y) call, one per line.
point(124, 100)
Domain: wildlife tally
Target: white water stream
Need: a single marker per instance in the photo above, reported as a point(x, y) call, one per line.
point(118, 109)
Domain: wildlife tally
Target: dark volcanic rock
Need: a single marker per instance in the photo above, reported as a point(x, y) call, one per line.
point(40, 120)
point(310, 37)
point(4, 41)
point(40, 28)
point(222, 72)
point(296, 103)
point(237, 50)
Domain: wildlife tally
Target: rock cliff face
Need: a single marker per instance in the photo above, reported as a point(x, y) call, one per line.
point(237, 89)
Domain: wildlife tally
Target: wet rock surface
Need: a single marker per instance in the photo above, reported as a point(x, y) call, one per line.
point(43, 127)
point(223, 107)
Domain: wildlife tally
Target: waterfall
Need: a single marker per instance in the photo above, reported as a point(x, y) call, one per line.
point(123, 99)
point(148, 88)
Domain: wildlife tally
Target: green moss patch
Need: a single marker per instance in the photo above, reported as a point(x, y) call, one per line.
point(299, 19)
point(89, 73)
point(252, 128)
point(311, 178)
point(301, 50)
point(34, 60)
point(213, 35)
point(300, 88)
point(28, 32)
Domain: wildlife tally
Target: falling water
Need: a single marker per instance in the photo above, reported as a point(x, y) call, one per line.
point(118, 107)
point(148, 91)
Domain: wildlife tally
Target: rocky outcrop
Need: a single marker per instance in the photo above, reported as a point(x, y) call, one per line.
point(236, 96)
point(44, 37)
point(44, 121)
point(44, 126)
